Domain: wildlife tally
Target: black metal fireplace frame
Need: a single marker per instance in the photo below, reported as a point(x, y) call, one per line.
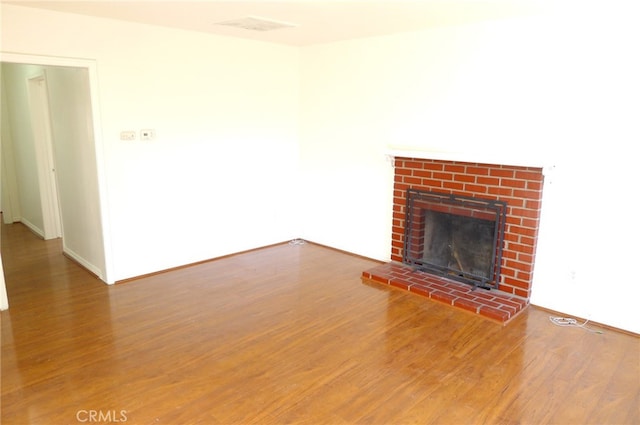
point(497, 208)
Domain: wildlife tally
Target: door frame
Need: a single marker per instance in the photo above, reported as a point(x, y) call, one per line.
point(90, 65)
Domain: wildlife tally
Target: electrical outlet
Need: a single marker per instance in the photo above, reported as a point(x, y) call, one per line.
point(147, 134)
point(127, 135)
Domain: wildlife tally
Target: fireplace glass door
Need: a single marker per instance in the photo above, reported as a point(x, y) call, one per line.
point(455, 236)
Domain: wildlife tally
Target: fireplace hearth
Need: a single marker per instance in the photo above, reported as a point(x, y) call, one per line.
point(459, 237)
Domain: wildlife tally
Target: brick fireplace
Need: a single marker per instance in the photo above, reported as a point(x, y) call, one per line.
point(519, 186)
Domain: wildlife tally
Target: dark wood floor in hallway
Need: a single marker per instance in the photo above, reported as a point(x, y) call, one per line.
point(287, 334)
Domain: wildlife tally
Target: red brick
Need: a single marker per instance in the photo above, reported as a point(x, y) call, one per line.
point(524, 275)
point(380, 279)
point(462, 294)
point(527, 240)
point(441, 287)
point(527, 249)
point(494, 313)
point(529, 175)
point(501, 172)
point(413, 164)
point(400, 284)
point(508, 254)
point(525, 258)
point(475, 188)
point(516, 265)
point(421, 290)
point(513, 183)
point(508, 308)
point(467, 304)
point(488, 181)
point(412, 180)
point(485, 295)
point(517, 304)
point(432, 183)
point(489, 303)
point(442, 297)
point(454, 168)
point(506, 288)
point(515, 202)
point(533, 204)
point(521, 293)
point(452, 185)
point(528, 194)
point(523, 212)
point(500, 191)
point(442, 176)
point(464, 178)
point(399, 274)
point(433, 166)
point(523, 231)
point(423, 173)
point(511, 236)
point(534, 185)
point(516, 283)
point(507, 272)
point(482, 171)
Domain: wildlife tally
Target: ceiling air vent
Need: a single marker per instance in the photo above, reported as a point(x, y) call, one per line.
point(254, 23)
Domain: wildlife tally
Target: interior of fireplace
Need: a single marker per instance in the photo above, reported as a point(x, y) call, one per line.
point(462, 244)
point(456, 237)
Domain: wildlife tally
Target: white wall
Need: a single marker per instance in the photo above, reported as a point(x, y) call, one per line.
point(556, 89)
point(76, 166)
point(221, 175)
point(9, 201)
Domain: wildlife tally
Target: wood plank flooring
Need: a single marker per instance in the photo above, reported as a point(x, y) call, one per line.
point(282, 335)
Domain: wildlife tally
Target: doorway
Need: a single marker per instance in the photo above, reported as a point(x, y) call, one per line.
point(64, 92)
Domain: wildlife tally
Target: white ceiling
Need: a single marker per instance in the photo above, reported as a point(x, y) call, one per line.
point(317, 21)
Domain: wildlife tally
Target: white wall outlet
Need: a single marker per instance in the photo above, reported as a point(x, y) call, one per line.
point(127, 135)
point(147, 134)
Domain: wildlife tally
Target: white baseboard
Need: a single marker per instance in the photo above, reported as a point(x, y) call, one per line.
point(82, 261)
point(35, 229)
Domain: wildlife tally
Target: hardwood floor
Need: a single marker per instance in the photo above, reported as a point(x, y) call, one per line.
point(287, 334)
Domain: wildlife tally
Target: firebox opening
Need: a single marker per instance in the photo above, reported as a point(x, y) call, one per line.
point(455, 236)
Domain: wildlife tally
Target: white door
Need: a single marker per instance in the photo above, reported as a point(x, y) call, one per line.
point(41, 124)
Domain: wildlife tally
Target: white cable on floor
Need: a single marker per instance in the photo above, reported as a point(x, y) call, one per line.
point(566, 321)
